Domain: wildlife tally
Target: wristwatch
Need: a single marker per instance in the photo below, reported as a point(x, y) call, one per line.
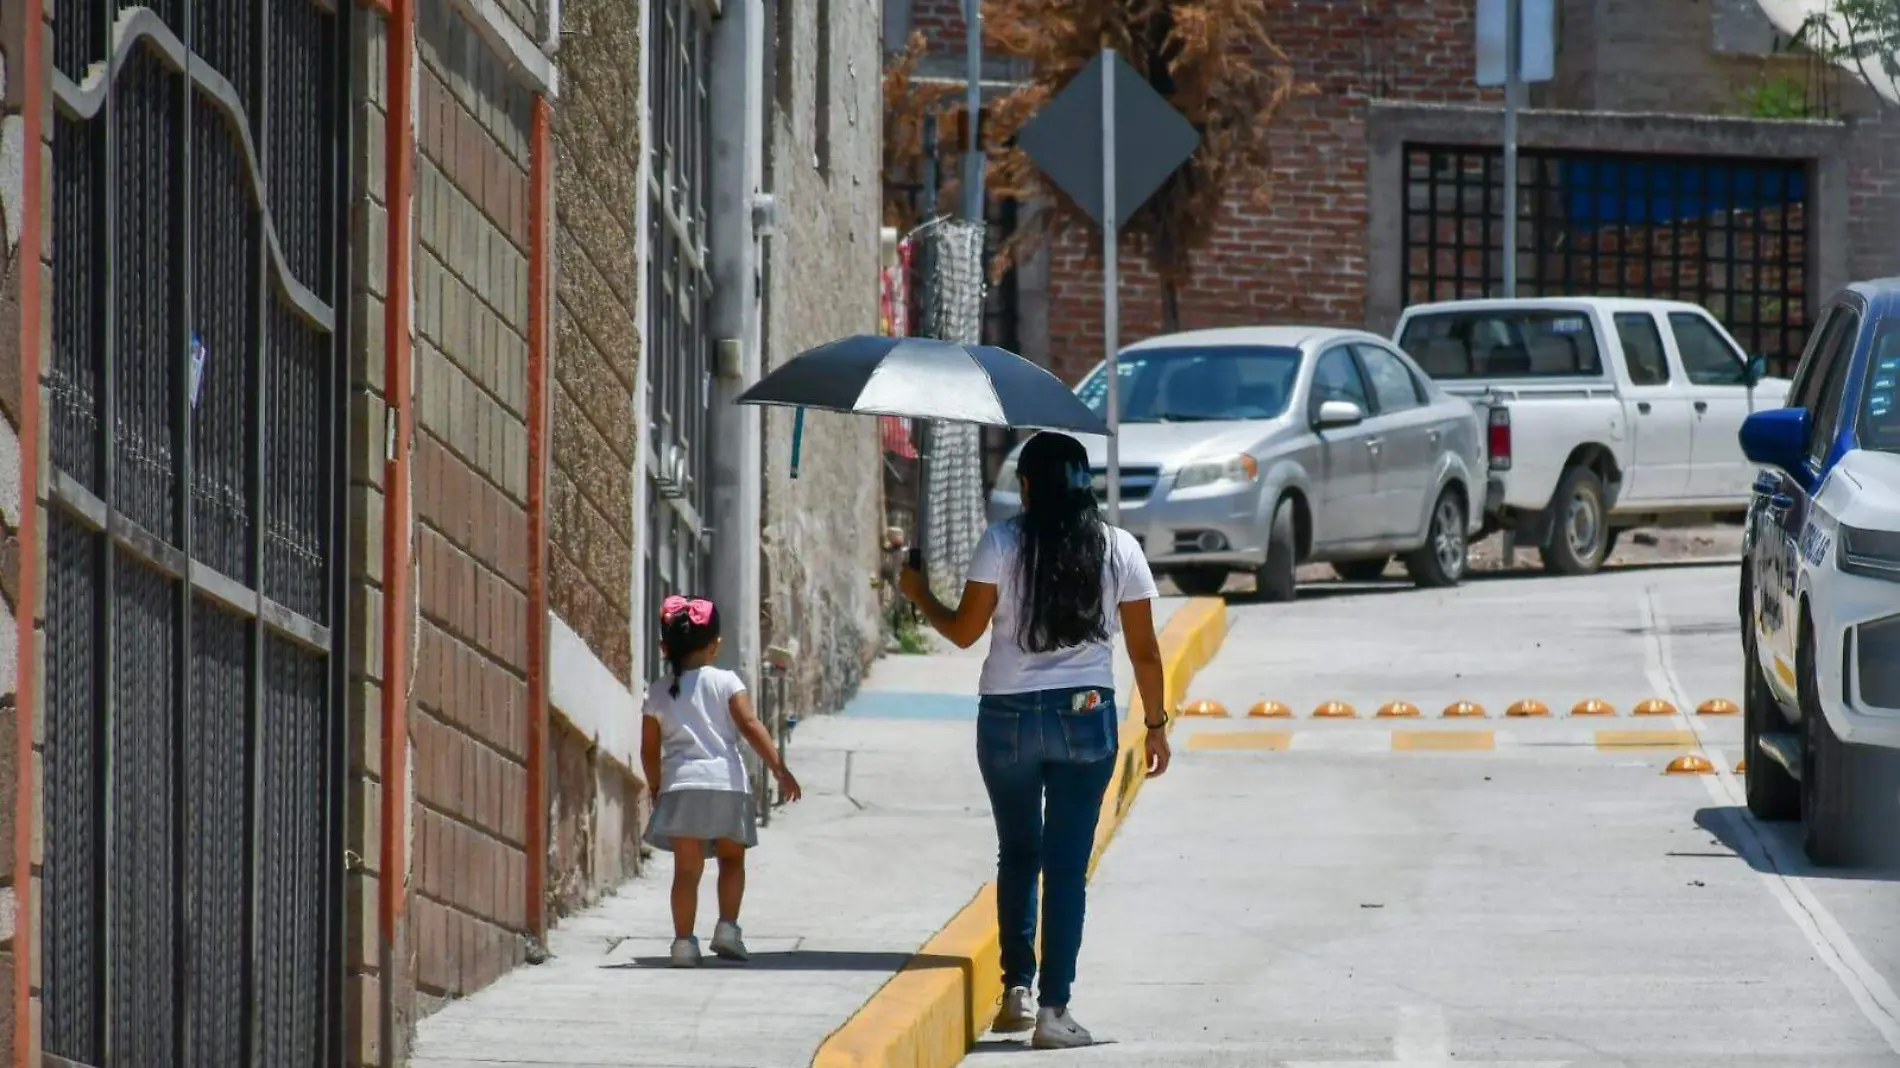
point(1153, 726)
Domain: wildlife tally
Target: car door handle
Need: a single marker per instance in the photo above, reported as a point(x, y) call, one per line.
point(1642, 406)
point(1701, 406)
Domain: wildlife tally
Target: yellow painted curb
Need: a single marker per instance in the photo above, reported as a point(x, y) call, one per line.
point(935, 1008)
point(1443, 741)
point(1256, 741)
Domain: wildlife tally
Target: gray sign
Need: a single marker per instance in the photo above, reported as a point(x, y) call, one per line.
point(1536, 35)
point(1151, 140)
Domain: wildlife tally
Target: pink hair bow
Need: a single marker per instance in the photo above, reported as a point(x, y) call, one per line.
point(699, 611)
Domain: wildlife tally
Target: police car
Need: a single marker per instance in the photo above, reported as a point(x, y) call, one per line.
point(1820, 590)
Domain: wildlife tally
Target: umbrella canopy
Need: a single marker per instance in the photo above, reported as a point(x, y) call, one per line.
point(922, 378)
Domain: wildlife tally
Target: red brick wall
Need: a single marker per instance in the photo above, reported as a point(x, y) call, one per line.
point(1302, 256)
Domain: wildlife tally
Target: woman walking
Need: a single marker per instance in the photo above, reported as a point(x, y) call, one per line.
point(1057, 583)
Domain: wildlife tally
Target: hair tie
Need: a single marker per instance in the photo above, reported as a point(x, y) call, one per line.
point(1080, 478)
point(697, 610)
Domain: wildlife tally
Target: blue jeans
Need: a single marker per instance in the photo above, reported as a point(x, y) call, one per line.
point(1046, 764)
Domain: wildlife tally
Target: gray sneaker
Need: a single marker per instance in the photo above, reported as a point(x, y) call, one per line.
point(728, 943)
point(1018, 1013)
point(686, 952)
point(1056, 1029)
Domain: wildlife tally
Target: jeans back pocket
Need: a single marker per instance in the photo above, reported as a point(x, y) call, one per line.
point(999, 729)
point(1088, 733)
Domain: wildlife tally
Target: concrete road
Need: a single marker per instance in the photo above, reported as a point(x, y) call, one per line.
point(1477, 892)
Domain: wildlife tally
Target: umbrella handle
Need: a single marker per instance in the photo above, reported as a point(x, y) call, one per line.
point(798, 438)
point(915, 560)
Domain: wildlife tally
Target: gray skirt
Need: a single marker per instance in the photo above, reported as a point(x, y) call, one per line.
point(705, 815)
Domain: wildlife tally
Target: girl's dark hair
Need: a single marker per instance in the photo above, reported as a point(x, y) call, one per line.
point(1064, 545)
point(681, 638)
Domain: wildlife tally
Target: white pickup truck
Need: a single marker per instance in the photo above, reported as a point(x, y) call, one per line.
point(1602, 414)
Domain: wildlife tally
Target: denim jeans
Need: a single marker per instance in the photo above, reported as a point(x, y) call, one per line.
point(1046, 763)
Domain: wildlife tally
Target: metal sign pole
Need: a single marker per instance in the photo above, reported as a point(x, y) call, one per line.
point(1513, 61)
point(973, 108)
point(1111, 293)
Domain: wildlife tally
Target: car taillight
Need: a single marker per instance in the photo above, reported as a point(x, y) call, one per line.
point(1498, 439)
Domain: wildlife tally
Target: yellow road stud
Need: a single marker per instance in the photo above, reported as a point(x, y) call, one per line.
point(1655, 706)
point(1717, 706)
point(1527, 709)
point(1741, 766)
point(1335, 710)
point(1206, 708)
point(1692, 764)
point(1270, 710)
point(1464, 710)
point(1593, 707)
point(1399, 710)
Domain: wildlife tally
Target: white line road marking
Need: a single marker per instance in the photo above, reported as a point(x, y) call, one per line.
point(1423, 1036)
point(1831, 943)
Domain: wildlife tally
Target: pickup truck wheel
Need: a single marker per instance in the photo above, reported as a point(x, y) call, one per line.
point(1361, 570)
point(1442, 560)
point(1200, 581)
point(1578, 525)
point(1773, 793)
point(1275, 579)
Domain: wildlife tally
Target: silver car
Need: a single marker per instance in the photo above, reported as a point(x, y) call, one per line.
point(1260, 448)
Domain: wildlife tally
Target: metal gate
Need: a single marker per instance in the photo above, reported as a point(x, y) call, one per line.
point(1728, 234)
point(679, 346)
point(192, 907)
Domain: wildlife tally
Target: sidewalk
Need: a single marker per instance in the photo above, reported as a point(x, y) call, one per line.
point(893, 837)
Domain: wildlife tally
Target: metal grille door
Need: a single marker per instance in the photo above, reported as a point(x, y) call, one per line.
point(1728, 234)
point(192, 905)
point(679, 346)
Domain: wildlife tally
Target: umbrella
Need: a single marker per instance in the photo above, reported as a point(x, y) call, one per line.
point(923, 378)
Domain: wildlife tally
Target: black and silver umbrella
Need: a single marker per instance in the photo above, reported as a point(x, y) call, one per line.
point(923, 378)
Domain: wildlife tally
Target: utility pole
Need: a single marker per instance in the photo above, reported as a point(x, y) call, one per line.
point(1513, 78)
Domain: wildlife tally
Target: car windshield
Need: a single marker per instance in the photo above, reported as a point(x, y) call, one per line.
point(1879, 422)
point(1198, 384)
point(1503, 343)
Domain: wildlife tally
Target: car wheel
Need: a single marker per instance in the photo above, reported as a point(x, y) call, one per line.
point(1275, 577)
point(1441, 561)
point(1200, 581)
point(1362, 570)
point(1773, 792)
point(1578, 525)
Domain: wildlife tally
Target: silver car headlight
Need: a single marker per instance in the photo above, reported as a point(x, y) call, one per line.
point(1870, 553)
point(1233, 469)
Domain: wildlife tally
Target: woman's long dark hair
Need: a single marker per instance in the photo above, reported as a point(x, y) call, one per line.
point(681, 639)
point(1064, 546)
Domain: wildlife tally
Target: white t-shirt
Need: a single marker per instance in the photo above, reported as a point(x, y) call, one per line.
point(699, 741)
point(1011, 669)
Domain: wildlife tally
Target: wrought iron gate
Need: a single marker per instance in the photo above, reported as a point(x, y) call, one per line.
point(194, 747)
point(1728, 234)
point(679, 345)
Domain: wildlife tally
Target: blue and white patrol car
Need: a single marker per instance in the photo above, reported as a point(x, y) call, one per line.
point(1820, 591)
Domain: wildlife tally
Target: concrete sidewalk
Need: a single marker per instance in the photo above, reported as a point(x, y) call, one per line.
point(893, 837)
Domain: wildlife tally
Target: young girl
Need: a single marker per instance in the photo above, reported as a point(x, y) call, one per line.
point(690, 749)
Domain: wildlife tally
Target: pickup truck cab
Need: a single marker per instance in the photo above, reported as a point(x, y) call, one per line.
point(1601, 414)
point(1820, 589)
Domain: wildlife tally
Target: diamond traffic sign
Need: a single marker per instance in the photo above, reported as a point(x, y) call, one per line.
point(1151, 138)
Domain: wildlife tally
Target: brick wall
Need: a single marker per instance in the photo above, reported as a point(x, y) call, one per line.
point(596, 141)
point(18, 1038)
point(470, 721)
point(821, 531)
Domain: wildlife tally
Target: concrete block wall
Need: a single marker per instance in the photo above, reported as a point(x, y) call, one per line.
point(822, 530)
point(19, 1036)
point(597, 790)
point(470, 721)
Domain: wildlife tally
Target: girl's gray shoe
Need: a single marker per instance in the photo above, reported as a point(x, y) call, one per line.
point(1056, 1029)
point(1018, 1013)
point(686, 952)
point(728, 943)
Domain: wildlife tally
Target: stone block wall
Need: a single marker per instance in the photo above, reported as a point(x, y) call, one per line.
point(596, 788)
point(822, 530)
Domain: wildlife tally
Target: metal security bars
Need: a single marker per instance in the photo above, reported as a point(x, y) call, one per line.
point(679, 345)
point(1727, 234)
point(194, 746)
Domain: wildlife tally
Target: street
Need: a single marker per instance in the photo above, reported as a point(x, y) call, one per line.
point(1528, 891)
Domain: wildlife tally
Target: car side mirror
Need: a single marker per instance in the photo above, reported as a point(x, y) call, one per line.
point(1777, 437)
point(1756, 370)
point(1337, 413)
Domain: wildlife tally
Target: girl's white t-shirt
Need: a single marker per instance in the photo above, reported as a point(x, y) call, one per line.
point(699, 741)
point(1011, 669)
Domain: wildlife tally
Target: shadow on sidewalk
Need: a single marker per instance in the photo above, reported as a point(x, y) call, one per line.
point(812, 960)
point(1776, 848)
